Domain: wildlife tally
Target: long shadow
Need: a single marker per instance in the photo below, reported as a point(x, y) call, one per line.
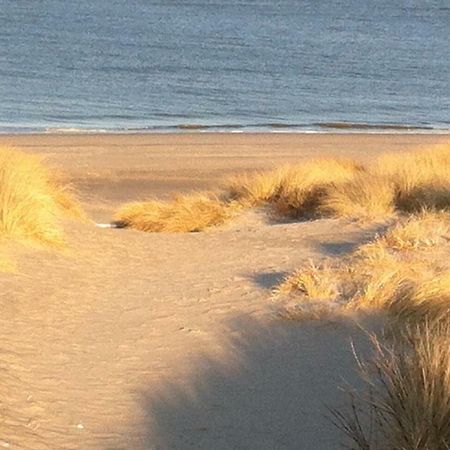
point(345, 247)
point(273, 391)
point(268, 280)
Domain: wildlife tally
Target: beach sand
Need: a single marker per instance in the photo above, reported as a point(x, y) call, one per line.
point(143, 341)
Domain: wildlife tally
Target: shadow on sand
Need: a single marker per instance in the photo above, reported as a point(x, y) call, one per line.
point(272, 390)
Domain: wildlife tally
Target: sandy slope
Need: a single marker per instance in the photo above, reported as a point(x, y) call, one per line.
point(152, 341)
point(158, 341)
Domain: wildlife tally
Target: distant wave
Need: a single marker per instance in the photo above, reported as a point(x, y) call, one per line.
point(269, 127)
point(367, 126)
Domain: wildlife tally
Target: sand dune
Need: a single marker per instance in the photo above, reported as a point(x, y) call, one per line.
point(172, 341)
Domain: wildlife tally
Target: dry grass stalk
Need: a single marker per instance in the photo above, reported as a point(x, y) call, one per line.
point(409, 386)
point(185, 213)
point(32, 199)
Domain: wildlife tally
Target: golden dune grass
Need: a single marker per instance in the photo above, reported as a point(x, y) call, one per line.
point(367, 196)
point(32, 199)
point(253, 189)
point(397, 182)
point(421, 178)
point(185, 213)
point(379, 274)
point(427, 298)
point(329, 187)
point(427, 228)
point(408, 402)
point(295, 191)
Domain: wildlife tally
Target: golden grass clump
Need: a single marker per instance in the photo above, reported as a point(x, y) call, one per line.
point(305, 186)
point(421, 178)
point(417, 231)
point(382, 275)
point(428, 298)
point(314, 282)
point(397, 182)
point(408, 402)
point(295, 190)
point(254, 189)
point(367, 280)
point(185, 213)
point(32, 199)
point(366, 196)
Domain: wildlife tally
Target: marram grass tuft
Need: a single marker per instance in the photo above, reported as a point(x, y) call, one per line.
point(185, 213)
point(32, 199)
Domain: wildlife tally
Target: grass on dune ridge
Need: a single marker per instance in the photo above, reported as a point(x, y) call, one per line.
point(324, 187)
point(185, 213)
point(377, 274)
point(32, 199)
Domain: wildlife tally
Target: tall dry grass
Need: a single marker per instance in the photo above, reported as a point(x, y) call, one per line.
point(396, 182)
point(185, 213)
point(330, 187)
point(421, 178)
point(366, 196)
point(343, 188)
point(32, 199)
point(296, 190)
point(425, 229)
point(407, 401)
point(388, 273)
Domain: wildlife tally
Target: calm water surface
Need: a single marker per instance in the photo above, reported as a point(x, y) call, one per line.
point(235, 64)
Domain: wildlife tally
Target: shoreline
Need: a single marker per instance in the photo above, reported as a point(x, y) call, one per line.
point(275, 129)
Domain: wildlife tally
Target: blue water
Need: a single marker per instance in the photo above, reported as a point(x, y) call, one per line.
point(234, 64)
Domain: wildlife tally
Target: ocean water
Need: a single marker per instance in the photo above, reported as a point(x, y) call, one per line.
point(238, 65)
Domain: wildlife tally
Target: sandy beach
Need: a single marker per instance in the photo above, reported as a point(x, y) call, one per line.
point(131, 340)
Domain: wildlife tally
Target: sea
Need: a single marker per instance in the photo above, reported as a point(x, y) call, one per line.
point(229, 65)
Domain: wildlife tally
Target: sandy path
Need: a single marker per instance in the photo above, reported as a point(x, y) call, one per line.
point(155, 341)
point(138, 341)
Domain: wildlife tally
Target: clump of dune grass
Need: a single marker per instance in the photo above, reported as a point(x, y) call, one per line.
point(397, 182)
point(366, 196)
point(317, 282)
point(255, 189)
point(32, 199)
point(427, 298)
point(185, 213)
point(387, 274)
point(296, 190)
point(408, 383)
point(421, 178)
point(330, 187)
point(425, 229)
